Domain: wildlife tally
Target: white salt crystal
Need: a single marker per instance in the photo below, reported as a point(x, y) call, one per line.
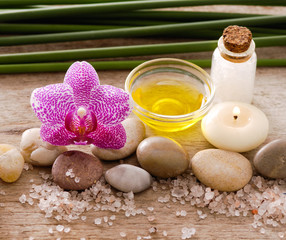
point(83, 218)
point(22, 198)
point(152, 230)
point(262, 230)
point(139, 238)
point(97, 221)
point(30, 201)
point(2, 204)
point(31, 238)
point(82, 238)
point(281, 234)
point(51, 231)
point(60, 228)
point(151, 209)
point(151, 218)
point(183, 213)
point(147, 237)
point(67, 229)
point(122, 234)
point(2, 192)
point(77, 179)
point(105, 219)
point(112, 217)
point(165, 234)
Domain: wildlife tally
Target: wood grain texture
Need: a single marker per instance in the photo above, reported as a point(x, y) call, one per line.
point(19, 221)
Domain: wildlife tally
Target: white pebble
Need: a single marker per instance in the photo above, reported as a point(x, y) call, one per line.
point(36, 151)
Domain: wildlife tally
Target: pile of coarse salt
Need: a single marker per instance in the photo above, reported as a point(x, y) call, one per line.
point(262, 198)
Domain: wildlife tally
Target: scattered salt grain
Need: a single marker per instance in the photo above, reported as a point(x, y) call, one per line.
point(183, 213)
point(83, 218)
point(60, 228)
point(281, 234)
point(23, 198)
point(151, 218)
point(82, 238)
point(112, 217)
point(122, 234)
point(97, 221)
point(2, 204)
point(77, 179)
point(165, 234)
point(262, 231)
point(67, 229)
point(187, 232)
point(105, 219)
point(151, 209)
point(31, 238)
point(152, 230)
point(2, 192)
point(147, 237)
point(51, 231)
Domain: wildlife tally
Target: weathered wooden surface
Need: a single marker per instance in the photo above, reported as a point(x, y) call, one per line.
point(19, 221)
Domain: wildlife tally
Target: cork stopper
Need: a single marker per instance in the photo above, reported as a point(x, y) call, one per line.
point(237, 39)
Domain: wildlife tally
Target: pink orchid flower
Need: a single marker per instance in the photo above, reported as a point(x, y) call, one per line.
point(81, 111)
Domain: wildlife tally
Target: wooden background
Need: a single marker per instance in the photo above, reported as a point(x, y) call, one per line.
point(19, 221)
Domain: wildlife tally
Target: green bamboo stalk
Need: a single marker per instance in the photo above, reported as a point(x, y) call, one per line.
point(127, 51)
point(19, 28)
point(115, 7)
point(144, 31)
point(172, 15)
point(112, 65)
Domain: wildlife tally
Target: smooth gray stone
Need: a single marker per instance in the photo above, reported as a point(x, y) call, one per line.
point(270, 160)
point(127, 178)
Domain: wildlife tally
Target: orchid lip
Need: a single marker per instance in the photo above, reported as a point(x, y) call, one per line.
point(81, 122)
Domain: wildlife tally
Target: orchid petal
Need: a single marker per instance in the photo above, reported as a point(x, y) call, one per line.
point(81, 77)
point(52, 102)
point(111, 105)
point(109, 136)
point(56, 134)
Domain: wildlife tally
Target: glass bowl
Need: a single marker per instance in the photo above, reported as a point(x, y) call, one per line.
point(170, 94)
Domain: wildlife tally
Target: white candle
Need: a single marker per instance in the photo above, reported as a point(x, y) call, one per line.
point(235, 126)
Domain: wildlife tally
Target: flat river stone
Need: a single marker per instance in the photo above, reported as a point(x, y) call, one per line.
point(135, 133)
point(126, 178)
point(270, 160)
point(221, 170)
point(162, 157)
point(75, 170)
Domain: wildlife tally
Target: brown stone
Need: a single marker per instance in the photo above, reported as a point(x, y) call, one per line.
point(237, 39)
point(75, 170)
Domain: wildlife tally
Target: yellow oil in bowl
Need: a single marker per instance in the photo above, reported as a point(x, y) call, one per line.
point(168, 94)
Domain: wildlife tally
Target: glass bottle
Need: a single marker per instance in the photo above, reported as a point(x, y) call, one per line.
point(234, 65)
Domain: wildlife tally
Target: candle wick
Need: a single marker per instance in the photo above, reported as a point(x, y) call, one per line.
point(235, 117)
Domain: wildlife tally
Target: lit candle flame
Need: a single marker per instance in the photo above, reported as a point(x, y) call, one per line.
point(236, 112)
